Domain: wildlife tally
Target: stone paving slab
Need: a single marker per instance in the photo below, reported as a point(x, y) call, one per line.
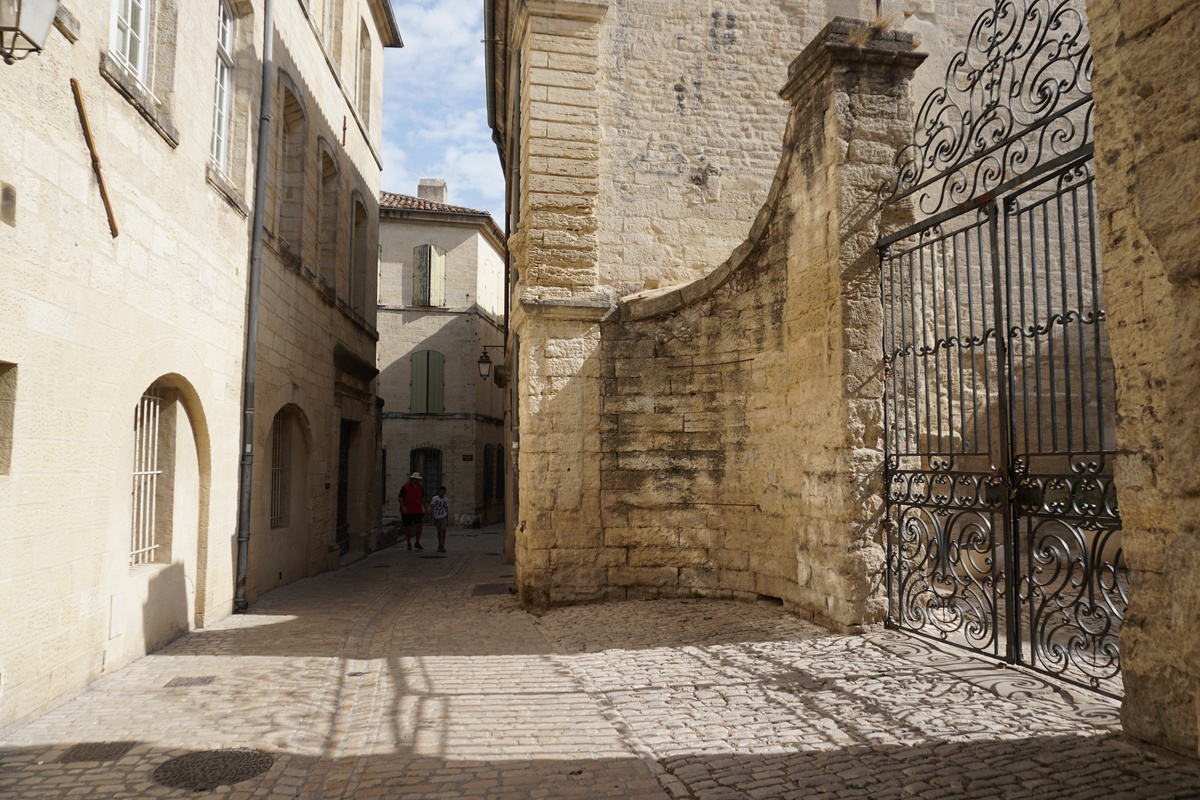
point(393, 679)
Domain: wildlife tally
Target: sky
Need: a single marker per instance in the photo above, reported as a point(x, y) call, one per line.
point(434, 106)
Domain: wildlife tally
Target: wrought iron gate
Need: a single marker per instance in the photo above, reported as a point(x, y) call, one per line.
point(1004, 535)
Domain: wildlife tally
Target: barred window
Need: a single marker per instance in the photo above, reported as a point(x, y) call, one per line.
point(281, 473)
point(144, 542)
point(219, 149)
point(487, 472)
point(499, 472)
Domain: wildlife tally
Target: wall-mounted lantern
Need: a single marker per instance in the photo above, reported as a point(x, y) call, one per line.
point(485, 361)
point(24, 26)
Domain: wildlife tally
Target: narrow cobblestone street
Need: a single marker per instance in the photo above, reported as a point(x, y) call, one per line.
point(417, 675)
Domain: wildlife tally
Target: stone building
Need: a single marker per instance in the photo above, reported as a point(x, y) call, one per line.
point(441, 305)
point(701, 395)
point(641, 142)
point(129, 193)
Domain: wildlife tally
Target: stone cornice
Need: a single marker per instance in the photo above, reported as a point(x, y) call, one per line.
point(587, 309)
point(583, 10)
point(833, 45)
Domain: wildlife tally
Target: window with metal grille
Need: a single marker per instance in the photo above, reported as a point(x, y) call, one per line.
point(281, 473)
point(428, 382)
point(487, 472)
point(219, 149)
point(499, 472)
point(146, 473)
point(429, 275)
point(428, 462)
point(130, 29)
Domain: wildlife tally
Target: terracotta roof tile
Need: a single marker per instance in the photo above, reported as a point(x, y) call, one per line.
point(404, 201)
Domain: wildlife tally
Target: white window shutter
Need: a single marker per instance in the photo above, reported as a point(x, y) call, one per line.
point(437, 277)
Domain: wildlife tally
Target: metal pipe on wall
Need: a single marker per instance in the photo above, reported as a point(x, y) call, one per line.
point(255, 279)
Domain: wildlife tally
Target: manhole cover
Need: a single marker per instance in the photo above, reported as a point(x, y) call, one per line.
point(96, 751)
point(490, 588)
point(190, 680)
point(202, 772)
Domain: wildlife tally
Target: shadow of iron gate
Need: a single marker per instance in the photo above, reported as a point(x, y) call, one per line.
point(1003, 530)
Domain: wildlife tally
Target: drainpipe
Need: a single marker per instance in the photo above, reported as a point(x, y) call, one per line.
point(255, 279)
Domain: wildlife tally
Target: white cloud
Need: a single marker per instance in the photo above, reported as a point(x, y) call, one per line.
point(435, 118)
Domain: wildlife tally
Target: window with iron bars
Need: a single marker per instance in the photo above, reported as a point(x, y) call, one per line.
point(280, 470)
point(144, 542)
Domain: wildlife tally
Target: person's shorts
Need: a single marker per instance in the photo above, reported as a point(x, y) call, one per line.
point(411, 519)
point(440, 523)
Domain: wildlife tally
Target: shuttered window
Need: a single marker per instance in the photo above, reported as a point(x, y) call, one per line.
point(429, 275)
point(428, 382)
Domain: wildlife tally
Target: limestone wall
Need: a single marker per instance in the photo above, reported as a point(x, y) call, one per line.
point(90, 322)
point(1147, 164)
point(739, 415)
point(307, 317)
point(692, 123)
point(93, 320)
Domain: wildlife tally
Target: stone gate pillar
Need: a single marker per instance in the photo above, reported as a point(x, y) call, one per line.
point(851, 114)
point(1147, 168)
point(559, 300)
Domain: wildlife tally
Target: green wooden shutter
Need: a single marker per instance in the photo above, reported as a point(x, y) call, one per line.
point(420, 383)
point(437, 277)
point(421, 268)
point(436, 382)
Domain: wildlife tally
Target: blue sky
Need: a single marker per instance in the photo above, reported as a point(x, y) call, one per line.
point(434, 107)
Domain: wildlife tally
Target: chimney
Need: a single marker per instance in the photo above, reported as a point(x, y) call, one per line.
point(432, 189)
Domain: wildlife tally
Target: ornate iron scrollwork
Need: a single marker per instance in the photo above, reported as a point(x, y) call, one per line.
point(1003, 530)
point(1018, 96)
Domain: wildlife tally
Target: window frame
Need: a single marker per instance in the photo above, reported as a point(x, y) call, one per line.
point(222, 86)
point(124, 31)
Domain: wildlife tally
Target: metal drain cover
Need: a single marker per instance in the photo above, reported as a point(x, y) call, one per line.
point(202, 772)
point(96, 751)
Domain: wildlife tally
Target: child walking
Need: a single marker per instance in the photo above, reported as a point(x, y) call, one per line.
point(441, 516)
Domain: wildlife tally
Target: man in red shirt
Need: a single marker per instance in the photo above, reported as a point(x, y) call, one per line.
point(412, 510)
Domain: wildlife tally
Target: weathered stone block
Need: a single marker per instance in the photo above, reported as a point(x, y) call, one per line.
point(643, 576)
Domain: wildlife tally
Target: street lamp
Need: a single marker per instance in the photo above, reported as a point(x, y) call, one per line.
point(485, 361)
point(24, 26)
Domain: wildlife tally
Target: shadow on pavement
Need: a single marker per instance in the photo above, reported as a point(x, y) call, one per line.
point(1060, 767)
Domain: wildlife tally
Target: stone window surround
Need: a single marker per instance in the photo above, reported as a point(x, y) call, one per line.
point(138, 96)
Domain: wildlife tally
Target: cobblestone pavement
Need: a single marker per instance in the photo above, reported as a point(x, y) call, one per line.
point(408, 676)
